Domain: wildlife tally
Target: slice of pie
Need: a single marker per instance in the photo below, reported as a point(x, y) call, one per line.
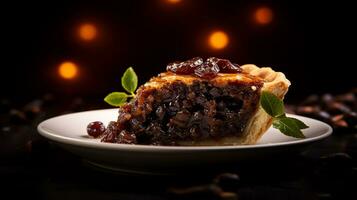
point(212, 102)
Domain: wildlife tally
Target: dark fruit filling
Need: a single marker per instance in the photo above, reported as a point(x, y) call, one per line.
point(179, 112)
point(207, 70)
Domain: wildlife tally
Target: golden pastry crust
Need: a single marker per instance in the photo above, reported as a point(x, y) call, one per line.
point(220, 79)
point(274, 82)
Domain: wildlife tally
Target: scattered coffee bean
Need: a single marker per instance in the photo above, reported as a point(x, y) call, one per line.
point(326, 98)
point(340, 124)
point(228, 181)
point(339, 111)
point(337, 107)
point(33, 108)
point(311, 100)
point(209, 191)
point(323, 115)
point(348, 98)
point(17, 116)
point(351, 119)
point(310, 111)
point(6, 129)
point(338, 160)
point(337, 118)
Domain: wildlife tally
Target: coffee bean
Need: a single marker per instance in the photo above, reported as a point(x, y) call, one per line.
point(336, 118)
point(338, 160)
point(228, 181)
point(326, 98)
point(337, 107)
point(348, 98)
point(353, 91)
point(209, 191)
point(334, 167)
point(351, 119)
point(33, 108)
point(6, 129)
point(311, 100)
point(308, 110)
point(340, 124)
point(323, 115)
point(17, 116)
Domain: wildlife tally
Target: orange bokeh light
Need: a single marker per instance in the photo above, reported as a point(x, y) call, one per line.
point(87, 31)
point(218, 39)
point(263, 15)
point(68, 70)
point(173, 1)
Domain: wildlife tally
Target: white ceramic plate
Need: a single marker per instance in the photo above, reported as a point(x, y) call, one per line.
point(69, 131)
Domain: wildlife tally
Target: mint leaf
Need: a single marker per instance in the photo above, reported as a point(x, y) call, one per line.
point(129, 80)
point(116, 98)
point(272, 104)
point(289, 126)
point(299, 123)
point(275, 108)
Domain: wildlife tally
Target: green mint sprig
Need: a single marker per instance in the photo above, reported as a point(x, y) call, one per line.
point(129, 81)
point(275, 108)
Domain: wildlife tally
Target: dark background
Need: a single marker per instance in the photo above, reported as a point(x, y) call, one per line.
point(312, 42)
point(149, 34)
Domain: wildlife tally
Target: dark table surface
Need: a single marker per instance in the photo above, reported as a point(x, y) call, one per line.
point(31, 167)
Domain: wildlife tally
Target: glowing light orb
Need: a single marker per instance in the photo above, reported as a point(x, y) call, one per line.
point(218, 40)
point(263, 16)
point(87, 32)
point(173, 1)
point(68, 70)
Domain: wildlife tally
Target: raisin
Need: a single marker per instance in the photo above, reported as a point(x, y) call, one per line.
point(174, 66)
point(207, 70)
point(126, 108)
point(187, 67)
point(126, 137)
point(225, 66)
point(110, 134)
point(195, 132)
point(180, 119)
point(154, 129)
point(123, 117)
point(160, 112)
point(95, 129)
point(136, 125)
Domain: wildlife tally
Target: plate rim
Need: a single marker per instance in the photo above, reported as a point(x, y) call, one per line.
point(114, 146)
